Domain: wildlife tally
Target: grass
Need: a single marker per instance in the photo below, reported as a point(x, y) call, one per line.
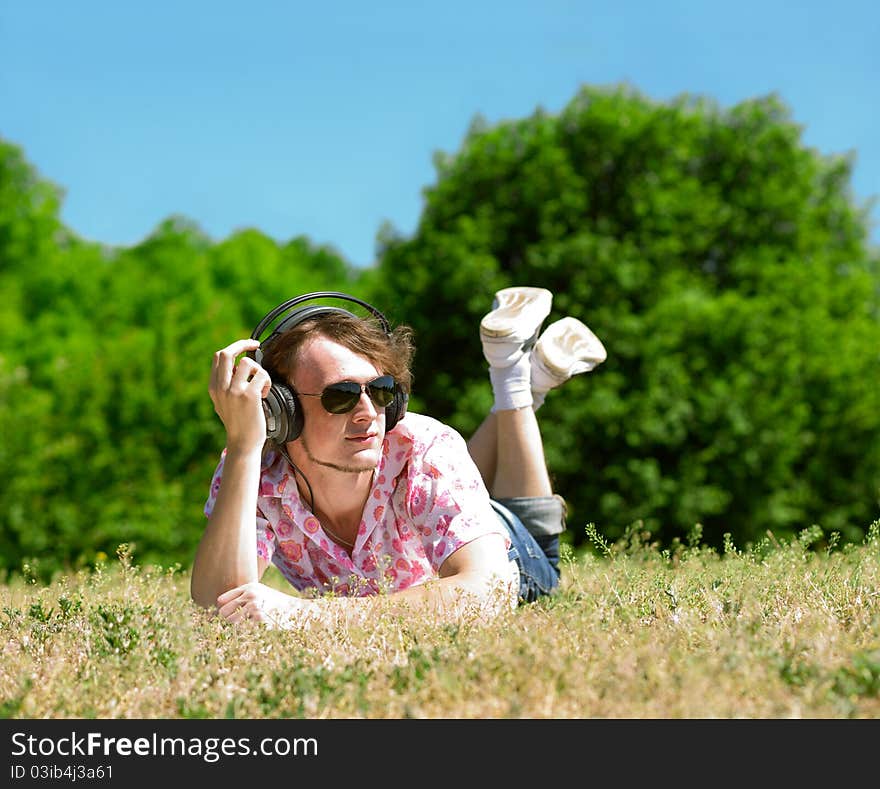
point(781, 630)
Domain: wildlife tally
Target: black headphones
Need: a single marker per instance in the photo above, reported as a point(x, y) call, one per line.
point(284, 417)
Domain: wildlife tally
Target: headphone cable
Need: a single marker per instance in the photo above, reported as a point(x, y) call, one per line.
point(324, 526)
point(305, 479)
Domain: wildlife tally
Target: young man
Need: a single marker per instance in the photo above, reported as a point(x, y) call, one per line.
point(412, 516)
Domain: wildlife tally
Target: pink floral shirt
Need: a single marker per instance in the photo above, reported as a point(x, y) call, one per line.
point(427, 501)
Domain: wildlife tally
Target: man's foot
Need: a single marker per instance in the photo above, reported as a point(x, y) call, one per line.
point(565, 348)
point(512, 327)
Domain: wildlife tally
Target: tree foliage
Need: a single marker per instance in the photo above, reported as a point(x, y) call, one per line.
point(727, 269)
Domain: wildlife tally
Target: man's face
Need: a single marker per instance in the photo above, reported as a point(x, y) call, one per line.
point(350, 442)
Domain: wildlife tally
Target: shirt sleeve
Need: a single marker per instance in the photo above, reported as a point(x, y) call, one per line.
point(215, 486)
point(446, 498)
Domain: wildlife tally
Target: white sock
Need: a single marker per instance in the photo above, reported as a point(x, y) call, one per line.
point(541, 384)
point(512, 385)
point(537, 399)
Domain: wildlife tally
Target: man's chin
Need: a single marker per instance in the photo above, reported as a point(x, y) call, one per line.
point(367, 460)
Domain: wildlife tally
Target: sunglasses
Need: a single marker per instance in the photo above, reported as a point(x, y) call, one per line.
point(343, 397)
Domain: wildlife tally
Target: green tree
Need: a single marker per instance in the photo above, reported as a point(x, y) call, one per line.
point(726, 268)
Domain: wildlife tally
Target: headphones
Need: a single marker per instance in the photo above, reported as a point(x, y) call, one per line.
point(284, 417)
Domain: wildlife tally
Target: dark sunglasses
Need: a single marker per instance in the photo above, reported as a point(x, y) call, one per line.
point(343, 397)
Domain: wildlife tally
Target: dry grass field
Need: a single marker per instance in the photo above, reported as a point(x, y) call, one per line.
point(782, 630)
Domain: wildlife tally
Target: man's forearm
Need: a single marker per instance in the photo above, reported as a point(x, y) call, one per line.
point(227, 553)
point(454, 598)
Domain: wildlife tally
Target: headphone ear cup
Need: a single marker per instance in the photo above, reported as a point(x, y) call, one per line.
point(284, 421)
point(396, 411)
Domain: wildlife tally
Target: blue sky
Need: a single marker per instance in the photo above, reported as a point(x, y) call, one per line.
point(321, 120)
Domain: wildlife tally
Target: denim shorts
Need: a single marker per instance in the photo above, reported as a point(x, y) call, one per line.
point(534, 525)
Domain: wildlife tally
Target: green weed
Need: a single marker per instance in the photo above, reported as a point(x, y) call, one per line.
point(774, 629)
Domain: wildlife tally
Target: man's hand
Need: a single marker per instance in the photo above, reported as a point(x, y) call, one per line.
point(260, 603)
point(237, 389)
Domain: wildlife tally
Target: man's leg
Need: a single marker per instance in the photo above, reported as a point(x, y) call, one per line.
point(509, 453)
point(521, 469)
point(507, 447)
point(523, 368)
point(483, 448)
point(507, 334)
point(522, 485)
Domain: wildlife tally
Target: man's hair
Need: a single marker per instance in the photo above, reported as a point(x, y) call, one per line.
point(391, 354)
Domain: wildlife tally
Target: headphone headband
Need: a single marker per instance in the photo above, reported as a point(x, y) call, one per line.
point(321, 294)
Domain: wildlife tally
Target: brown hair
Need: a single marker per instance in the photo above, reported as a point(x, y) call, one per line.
point(391, 354)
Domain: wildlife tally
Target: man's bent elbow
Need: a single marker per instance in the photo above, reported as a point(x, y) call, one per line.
point(202, 597)
point(204, 591)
